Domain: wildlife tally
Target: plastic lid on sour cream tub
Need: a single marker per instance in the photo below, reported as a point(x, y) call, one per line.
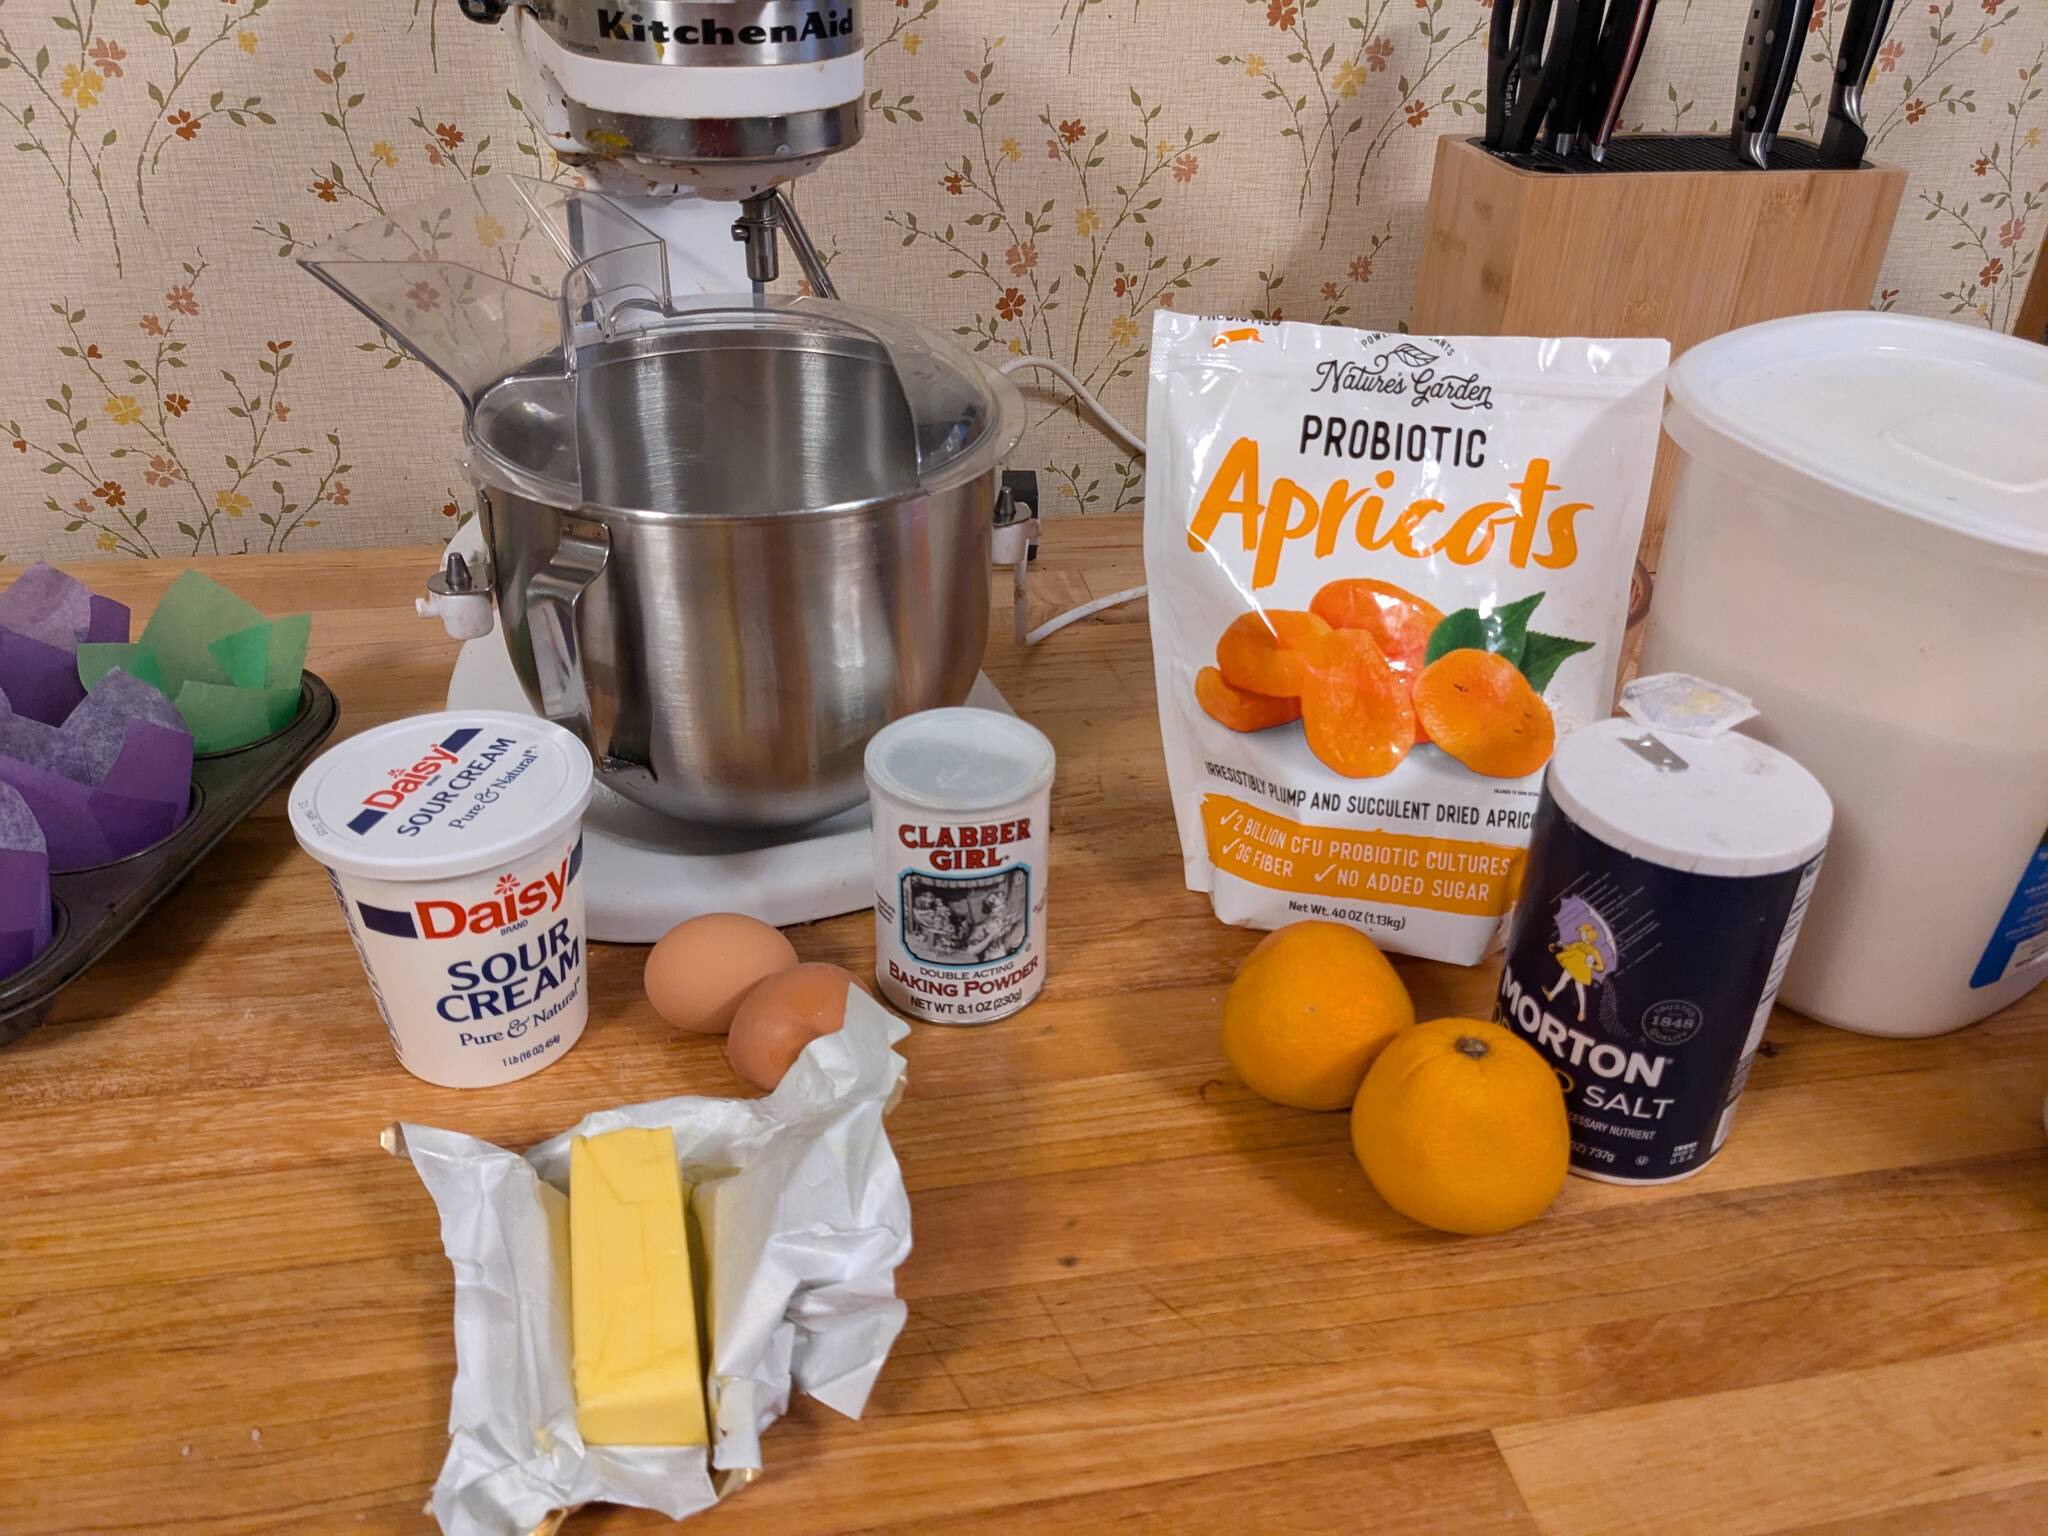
point(436, 796)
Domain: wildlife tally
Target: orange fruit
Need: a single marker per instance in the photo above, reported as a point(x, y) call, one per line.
point(1239, 708)
point(1355, 709)
point(1310, 1009)
point(1265, 651)
point(1461, 1126)
point(1479, 708)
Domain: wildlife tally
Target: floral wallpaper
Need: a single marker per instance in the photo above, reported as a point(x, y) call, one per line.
point(1034, 179)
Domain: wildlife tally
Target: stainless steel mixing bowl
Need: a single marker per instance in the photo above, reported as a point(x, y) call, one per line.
point(730, 547)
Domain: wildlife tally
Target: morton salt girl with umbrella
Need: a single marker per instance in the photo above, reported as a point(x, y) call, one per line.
point(1668, 871)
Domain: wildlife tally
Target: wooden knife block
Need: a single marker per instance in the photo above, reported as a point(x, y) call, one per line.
point(1682, 254)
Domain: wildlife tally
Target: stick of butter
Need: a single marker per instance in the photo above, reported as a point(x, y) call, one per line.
point(639, 1376)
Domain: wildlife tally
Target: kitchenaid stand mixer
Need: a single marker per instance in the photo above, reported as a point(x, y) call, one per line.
point(726, 536)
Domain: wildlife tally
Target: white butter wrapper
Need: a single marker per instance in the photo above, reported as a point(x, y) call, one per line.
point(804, 1218)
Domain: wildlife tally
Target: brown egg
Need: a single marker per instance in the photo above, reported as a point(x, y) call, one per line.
point(782, 1015)
point(700, 970)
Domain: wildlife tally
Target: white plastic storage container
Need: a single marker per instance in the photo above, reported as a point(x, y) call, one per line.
point(1858, 539)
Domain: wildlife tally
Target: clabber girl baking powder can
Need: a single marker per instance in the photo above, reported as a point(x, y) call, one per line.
point(1667, 875)
point(961, 799)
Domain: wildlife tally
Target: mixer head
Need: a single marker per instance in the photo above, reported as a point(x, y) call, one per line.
point(726, 99)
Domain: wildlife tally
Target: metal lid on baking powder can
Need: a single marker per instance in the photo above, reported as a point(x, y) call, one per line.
point(961, 800)
point(1666, 880)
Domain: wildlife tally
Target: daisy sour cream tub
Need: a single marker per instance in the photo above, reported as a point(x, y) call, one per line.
point(455, 845)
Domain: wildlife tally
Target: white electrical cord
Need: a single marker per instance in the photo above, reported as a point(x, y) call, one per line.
point(1117, 430)
point(1076, 615)
point(1109, 423)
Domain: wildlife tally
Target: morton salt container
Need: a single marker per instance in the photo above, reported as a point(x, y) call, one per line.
point(455, 844)
point(1859, 541)
point(1667, 875)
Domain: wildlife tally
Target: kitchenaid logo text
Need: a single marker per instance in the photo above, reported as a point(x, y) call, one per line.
point(951, 848)
point(708, 32)
point(1409, 371)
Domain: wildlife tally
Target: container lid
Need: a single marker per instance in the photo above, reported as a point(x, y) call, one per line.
point(1710, 805)
point(441, 795)
point(1930, 419)
point(961, 760)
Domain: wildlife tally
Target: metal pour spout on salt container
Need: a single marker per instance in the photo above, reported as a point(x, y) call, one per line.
point(728, 537)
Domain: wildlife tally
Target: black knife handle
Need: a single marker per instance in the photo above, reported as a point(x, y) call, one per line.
point(1500, 71)
point(1771, 45)
point(1572, 113)
point(1863, 33)
point(1544, 30)
point(1524, 60)
point(1614, 69)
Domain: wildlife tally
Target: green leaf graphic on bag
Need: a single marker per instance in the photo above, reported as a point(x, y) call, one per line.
point(1504, 630)
point(1543, 654)
point(1460, 631)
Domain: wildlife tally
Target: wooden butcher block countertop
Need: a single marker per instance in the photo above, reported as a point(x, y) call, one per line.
point(1141, 1299)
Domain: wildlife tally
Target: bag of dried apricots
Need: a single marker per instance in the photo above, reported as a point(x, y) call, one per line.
point(1386, 572)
